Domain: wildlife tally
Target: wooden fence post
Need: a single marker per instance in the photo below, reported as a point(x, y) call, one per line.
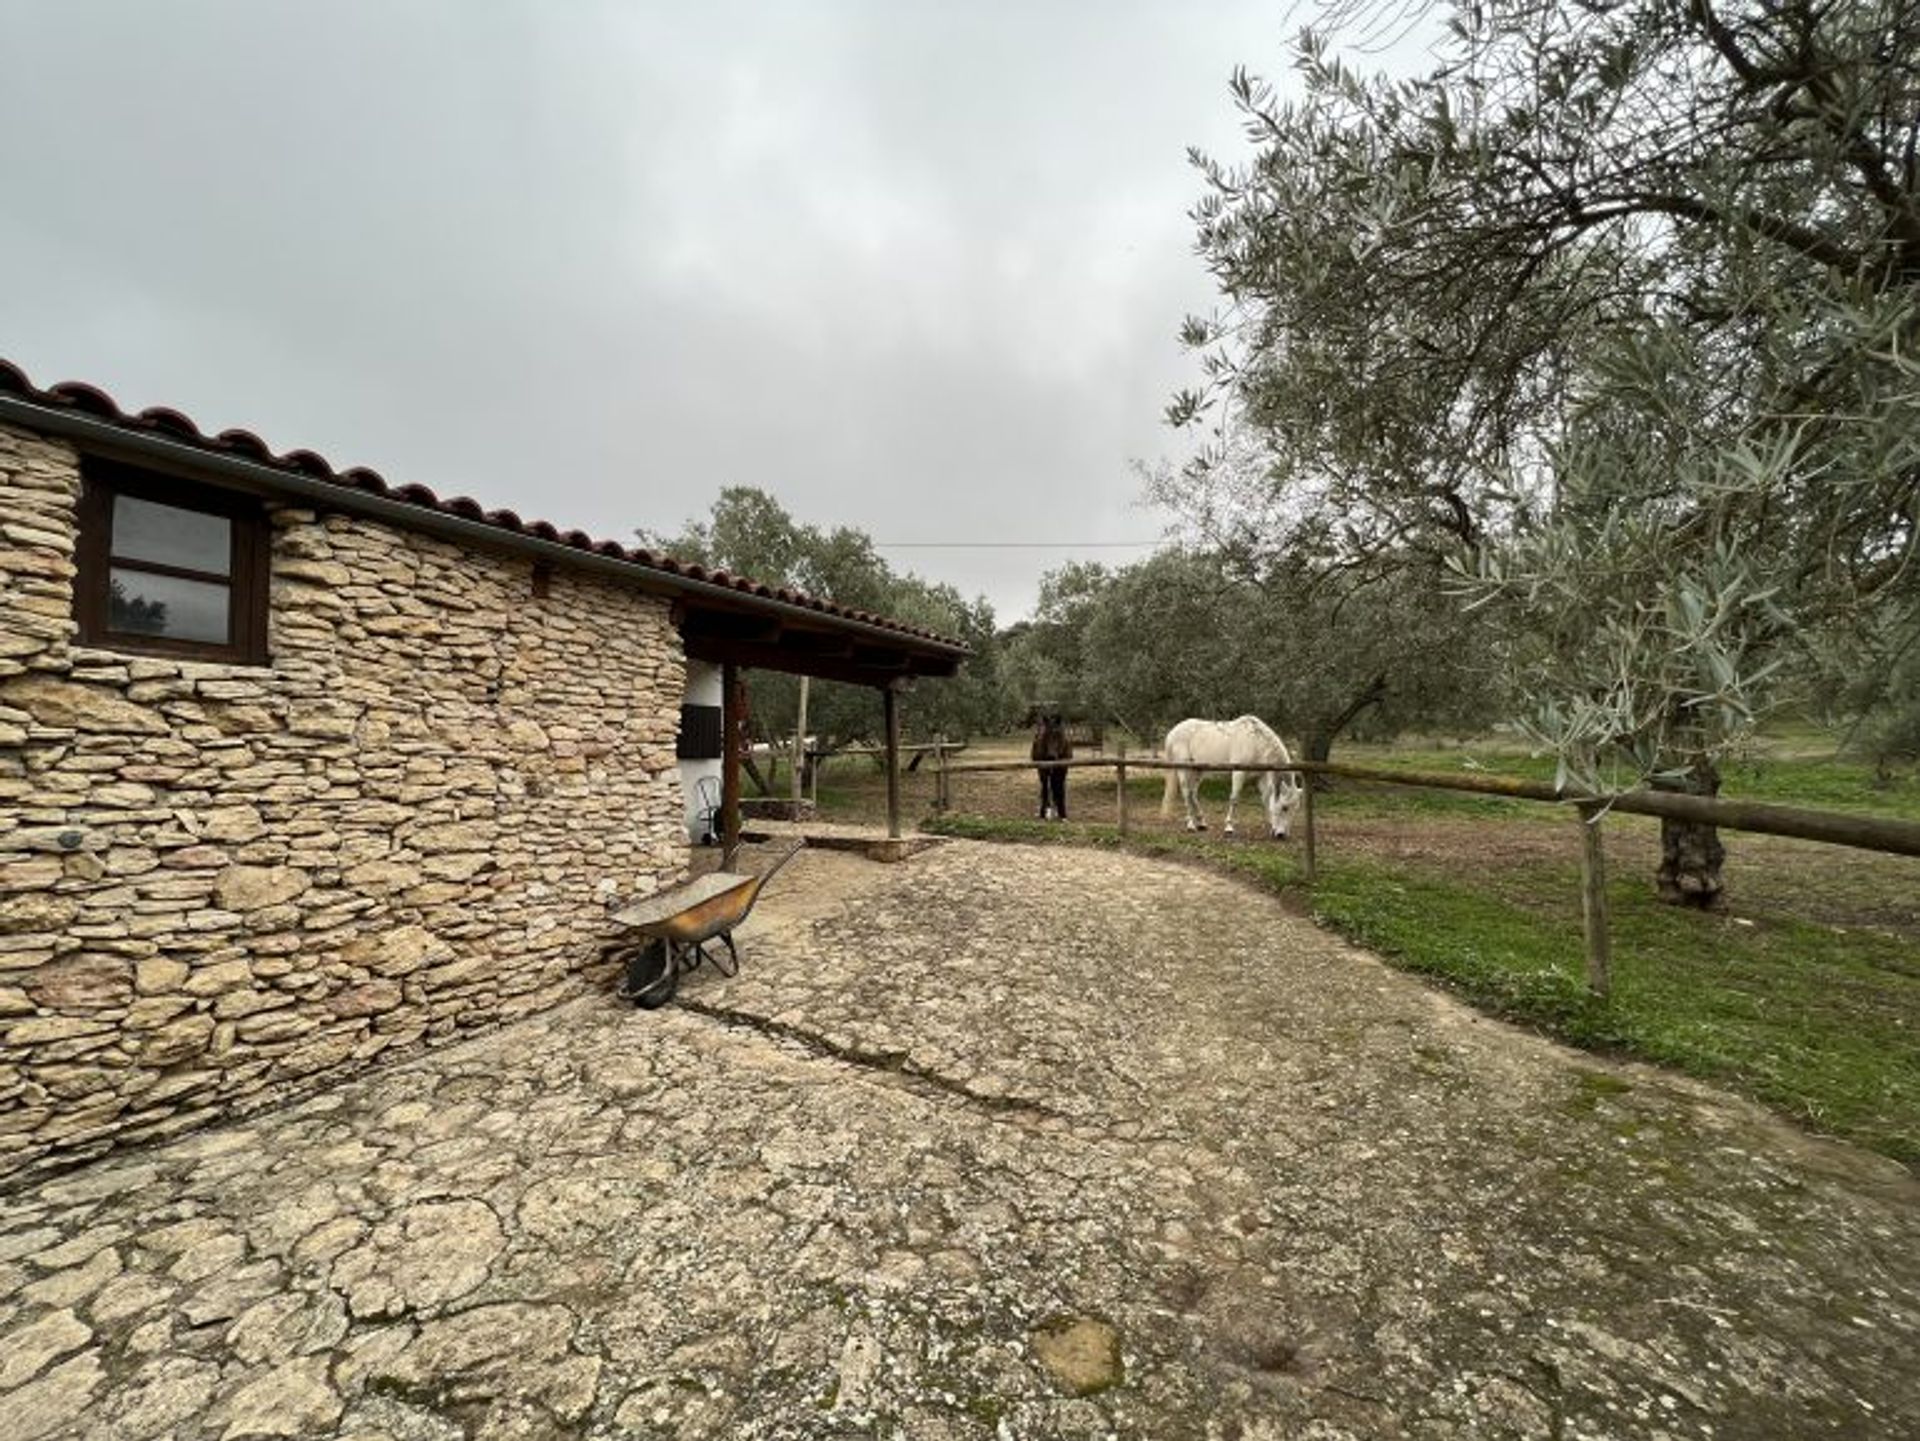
point(1120, 773)
point(1593, 902)
point(1313, 863)
point(942, 798)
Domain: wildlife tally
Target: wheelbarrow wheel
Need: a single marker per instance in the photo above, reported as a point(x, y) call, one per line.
point(652, 976)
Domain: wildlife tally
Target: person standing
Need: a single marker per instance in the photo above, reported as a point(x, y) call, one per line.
point(1050, 743)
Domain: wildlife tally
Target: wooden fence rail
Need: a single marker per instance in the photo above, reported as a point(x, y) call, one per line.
point(1873, 833)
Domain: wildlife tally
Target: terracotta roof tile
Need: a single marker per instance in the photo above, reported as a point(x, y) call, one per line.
point(92, 401)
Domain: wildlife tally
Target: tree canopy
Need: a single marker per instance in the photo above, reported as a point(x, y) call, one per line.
point(1315, 651)
point(1614, 311)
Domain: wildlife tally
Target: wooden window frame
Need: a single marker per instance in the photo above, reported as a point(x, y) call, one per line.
point(247, 565)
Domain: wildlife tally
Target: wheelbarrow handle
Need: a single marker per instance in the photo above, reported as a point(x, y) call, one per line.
point(799, 845)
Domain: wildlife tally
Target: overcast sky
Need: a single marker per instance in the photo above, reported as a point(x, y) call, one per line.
point(914, 267)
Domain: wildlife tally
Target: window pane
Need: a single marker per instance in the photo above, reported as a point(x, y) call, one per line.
point(171, 536)
point(143, 604)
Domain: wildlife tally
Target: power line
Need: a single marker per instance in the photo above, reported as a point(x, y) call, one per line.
point(1014, 544)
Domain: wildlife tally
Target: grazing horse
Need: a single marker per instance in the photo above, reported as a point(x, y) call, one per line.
point(1050, 743)
point(1246, 744)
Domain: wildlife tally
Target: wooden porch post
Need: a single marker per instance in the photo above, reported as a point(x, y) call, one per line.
point(733, 730)
point(891, 702)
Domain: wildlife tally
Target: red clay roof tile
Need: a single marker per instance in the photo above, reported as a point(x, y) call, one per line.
point(91, 400)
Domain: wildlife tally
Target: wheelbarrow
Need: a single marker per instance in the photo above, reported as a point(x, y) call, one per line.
point(675, 926)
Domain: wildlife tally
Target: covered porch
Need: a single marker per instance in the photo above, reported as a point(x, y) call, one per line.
point(740, 633)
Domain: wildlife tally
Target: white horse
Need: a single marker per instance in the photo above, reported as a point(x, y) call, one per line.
point(1246, 744)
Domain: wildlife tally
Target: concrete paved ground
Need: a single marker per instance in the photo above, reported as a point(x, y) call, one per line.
point(970, 1136)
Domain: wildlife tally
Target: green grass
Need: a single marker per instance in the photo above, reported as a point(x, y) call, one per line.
point(1823, 784)
point(1823, 1025)
point(1820, 782)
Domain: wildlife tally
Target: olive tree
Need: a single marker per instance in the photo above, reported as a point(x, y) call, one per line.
point(1614, 310)
point(750, 532)
point(1310, 648)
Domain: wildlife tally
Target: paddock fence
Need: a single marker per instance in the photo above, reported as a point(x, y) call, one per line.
point(1873, 833)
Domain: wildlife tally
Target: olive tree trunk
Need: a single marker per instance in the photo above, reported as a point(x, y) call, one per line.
point(1691, 855)
point(1321, 736)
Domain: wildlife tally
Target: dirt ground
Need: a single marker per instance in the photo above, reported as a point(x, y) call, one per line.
point(999, 1142)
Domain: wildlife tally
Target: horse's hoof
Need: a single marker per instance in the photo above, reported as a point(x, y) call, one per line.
point(1226, 830)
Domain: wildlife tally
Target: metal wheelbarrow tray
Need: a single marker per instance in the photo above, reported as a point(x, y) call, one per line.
point(675, 925)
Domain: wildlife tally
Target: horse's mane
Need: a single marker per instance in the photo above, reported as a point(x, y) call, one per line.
point(1265, 730)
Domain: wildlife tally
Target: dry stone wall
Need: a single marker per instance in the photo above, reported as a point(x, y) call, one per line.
point(222, 882)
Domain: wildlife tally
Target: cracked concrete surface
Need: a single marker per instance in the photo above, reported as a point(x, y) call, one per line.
point(997, 1142)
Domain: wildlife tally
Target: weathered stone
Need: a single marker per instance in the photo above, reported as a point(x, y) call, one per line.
point(243, 719)
point(65, 705)
point(526, 735)
point(231, 824)
point(229, 1293)
point(1081, 1354)
point(195, 858)
point(458, 973)
point(131, 861)
point(180, 1236)
point(215, 979)
point(365, 1000)
point(48, 1029)
point(156, 975)
point(206, 1258)
point(462, 836)
point(83, 983)
point(267, 1028)
point(381, 876)
point(25, 1243)
point(127, 1295)
point(47, 1407)
point(430, 1254)
point(287, 1325)
point(508, 1349)
point(34, 875)
point(456, 867)
point(291, 1400)
point(249, 888)
point(31, 1347)
point(74, 1284)
point(329, 1239)
point(322, 572)
point(126, 795)
point(177, 1040)
point(398, 952)
point(164, 1393)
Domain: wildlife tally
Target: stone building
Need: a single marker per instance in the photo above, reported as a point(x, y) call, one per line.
point(298, 768)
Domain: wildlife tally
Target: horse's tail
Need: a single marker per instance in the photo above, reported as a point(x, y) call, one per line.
point(1166, 797)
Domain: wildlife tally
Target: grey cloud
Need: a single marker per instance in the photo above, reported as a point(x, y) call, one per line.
point(912, 267)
